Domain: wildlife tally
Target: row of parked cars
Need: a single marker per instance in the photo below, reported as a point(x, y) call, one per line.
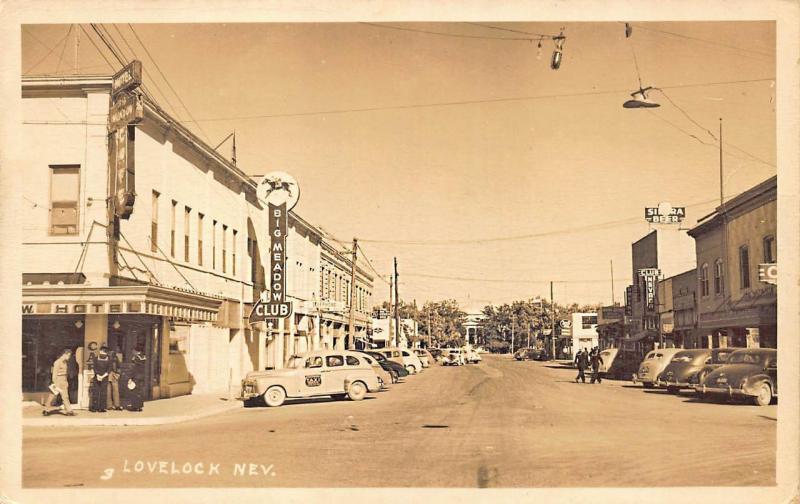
point(531, 353)
point(340, 374)
point(741, 373)
point(459, 356)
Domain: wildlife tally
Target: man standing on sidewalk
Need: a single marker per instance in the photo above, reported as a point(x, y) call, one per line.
point(112, 399)
point(60, 385)
point(596, 360)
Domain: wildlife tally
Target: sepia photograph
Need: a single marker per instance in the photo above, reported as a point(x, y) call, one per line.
point(474, 253)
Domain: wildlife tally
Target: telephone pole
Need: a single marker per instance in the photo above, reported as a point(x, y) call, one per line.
point(352, 323)
point(513, 320)
point(391, 318)
point(612, 283)
point(552, 323)
point(396, 302)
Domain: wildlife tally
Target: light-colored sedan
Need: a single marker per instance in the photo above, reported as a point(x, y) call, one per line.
point(425, 356)
point(653, 364)
point(403, 356)
point(337, 373)
point(453, 357)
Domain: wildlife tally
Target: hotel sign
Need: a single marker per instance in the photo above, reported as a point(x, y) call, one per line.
point(280, 192)
point(126, 79)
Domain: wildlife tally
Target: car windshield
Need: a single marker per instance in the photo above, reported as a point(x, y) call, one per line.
point(721, 357)
point(650, 356)
point(746, 358)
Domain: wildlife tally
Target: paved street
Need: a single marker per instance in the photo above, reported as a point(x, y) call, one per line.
point(501, 423)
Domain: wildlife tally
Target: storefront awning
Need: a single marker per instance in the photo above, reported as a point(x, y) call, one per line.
point(119, 300)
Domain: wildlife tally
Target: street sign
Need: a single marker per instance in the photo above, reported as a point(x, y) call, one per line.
point(127, 108)
point(126, 79)
point(768, 273)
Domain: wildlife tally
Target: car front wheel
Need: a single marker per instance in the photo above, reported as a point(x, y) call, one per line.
point(764, 396)
point(411, 369)
point(357, 391)
point(274, 396)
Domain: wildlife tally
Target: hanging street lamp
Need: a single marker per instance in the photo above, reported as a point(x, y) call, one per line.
point(640, 99)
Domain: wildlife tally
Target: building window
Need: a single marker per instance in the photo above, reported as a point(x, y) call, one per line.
point(704, 280)
point(224, 248)
point(200, 222)
point(187, 214)
point(233, 252)
point(173, 218)
point(744, 267)
point(214, 245)
point(154, 223)
point(770, 251)
point(719, 281)
point(65, 188)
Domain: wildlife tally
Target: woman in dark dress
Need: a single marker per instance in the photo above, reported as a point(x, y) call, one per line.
point(139, 361)
point(101, 364)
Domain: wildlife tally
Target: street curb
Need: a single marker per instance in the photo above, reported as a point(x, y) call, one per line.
point(62, 421)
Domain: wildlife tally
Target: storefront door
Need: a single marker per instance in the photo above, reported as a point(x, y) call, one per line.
point(43, 340)
point(127, 333)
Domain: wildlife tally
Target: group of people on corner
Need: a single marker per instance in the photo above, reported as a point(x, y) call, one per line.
point(584, 359)
point(105, 385)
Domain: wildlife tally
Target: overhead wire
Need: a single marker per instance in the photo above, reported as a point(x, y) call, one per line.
point(445, 34)
point(539, 35)
point(460, 102)
point(64, 48)
point(39, 62)
point(100, 52)
point(706, 41)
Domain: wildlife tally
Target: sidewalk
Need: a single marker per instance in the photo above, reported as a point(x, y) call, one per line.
point(158, 412)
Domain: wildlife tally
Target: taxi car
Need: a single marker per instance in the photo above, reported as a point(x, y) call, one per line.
point(750, 373)
point(337, 373)
point(654, 362)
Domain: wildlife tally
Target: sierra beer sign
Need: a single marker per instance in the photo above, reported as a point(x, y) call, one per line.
point(279, 190)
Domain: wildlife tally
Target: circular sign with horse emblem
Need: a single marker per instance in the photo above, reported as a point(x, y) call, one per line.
point(277, 188)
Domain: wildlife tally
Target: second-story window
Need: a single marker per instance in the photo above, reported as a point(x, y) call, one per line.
point(154, 223)
point(200, 221)
point(224, 248)
point(233, 252)
point(214, 245)
point(719, 280)
point(770, 251)
point(187, 214)
point(704, 280)
point(744, 267)
point(173, 219)
point(64, 193)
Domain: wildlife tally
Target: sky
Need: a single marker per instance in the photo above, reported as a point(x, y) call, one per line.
point(454, 147)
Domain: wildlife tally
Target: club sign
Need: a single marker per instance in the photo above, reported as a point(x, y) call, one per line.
point(280, 192)
point(650, 276)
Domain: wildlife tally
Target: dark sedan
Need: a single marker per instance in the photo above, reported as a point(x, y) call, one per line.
point(718, 358)
point(683, 366)
point(388, 365)
point(748, 374)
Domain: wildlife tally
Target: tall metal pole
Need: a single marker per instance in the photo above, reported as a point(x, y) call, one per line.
point(613, 302)
point(351, 328)
point(513, 321)
point(724, 226)
point(391, 318)
point(396, 303)
point(552, 323)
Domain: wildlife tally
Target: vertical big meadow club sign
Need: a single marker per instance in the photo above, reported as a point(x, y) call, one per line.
point(280, 192)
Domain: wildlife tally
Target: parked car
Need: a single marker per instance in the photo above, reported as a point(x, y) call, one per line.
point(522, 353)
point(337, 373)
point(750, 373)
point(436, 353)
point(425, 356)
point(681, 367)
point(538, 354)
point(453, 357)
point(471, 356)
point(608, 355)
point(385, 376)
point(718, 358)
point(653, 364)
point(403, 356)
point(388, 365)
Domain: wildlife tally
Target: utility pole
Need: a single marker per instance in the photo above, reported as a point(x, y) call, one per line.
point(396, 302)
point(391, 318)
point(552, 323)
point(233, 154)
point(352, 323)
point(513, 320)
point(77, 44)
point(613, 302)
point(429, 329)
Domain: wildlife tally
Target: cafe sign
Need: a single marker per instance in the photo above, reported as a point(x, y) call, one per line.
point(768, 273)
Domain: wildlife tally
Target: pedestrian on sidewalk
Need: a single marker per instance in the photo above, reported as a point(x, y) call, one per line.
point(581, 360)
point(595, 361)
point(136, 384)
point(59, 386)
point(112, 397)
point(99, 385)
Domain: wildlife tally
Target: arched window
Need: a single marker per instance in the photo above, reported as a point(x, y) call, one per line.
point(704, 280)
point(719, 285)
